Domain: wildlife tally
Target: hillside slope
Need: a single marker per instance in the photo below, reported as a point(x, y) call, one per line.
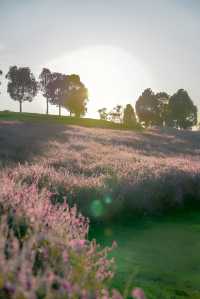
point(105, 171)
point(36, 117)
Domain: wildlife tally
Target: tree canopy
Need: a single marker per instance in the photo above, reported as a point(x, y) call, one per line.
point(160, 109)
point(103, 114)
point(129, 118)
point(67, 91)
point(115, 114)
point(76, 96)
point(56, 89)
point(182, 111)
point(44, 79)
point(147, 108)
point(152, 109)
point(0, 75)
point(22, 85)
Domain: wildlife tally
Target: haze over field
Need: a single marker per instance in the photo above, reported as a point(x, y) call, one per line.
point(119, 48)
point(99, 149)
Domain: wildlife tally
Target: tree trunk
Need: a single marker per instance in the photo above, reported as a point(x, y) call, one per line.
point(20, 106)
point(47, 106)
point(59, 110)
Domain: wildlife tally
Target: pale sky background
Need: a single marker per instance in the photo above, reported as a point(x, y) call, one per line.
point(118, 47)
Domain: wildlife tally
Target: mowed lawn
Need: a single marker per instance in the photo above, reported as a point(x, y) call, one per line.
point(134, 186)
point(159, 254)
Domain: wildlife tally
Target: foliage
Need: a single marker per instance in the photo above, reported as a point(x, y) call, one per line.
point(22, 85)
point(44, 79)
point(147, 108)
point(56, 89)
point(69, 92)
point(115, 114)
point(103, 114)
point(129, 118)
point(44, 248)
point(159, 109)
point(152, 109)
point(1, 75)
point(76, 97)
point(163, 111)
point(182, 111)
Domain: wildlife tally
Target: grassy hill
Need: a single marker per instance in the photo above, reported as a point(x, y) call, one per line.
point(36, 117)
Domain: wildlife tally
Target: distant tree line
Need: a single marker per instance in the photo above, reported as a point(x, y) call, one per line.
point(125, 116)
point(151, 109)
point(156, 109)
point(58, 89)
point(163, 110)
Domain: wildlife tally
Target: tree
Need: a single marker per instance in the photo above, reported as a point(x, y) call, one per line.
point(162, 103)
point(0, 81)
point(44, 80)
point(56, 89)
point(162, 95)
point(182, 111)
point(103, 114)
point(129, 119)
point(1, 73)
point(22, 85)
point(76, 96)
point(116, 114)
point(147, 108)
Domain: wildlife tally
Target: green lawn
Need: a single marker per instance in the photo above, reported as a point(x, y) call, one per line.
point(162, 255)
point(36, 117)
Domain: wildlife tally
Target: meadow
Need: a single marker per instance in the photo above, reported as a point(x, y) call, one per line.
point(135, 187)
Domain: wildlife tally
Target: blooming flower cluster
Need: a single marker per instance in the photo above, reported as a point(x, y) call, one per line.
point(44, 250)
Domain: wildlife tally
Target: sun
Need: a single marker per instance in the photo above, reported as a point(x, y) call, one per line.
point(112, 75)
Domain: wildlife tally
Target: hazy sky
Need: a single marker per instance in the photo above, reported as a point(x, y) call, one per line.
point(119, 47)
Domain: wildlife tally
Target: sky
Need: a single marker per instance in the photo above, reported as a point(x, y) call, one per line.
point(118, 47)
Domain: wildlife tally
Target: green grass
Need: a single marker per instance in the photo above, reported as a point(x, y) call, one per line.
point(162, 255)
point(36, 117)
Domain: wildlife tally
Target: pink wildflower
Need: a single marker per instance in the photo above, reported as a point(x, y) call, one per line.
point(138, 293)
point(77, 244)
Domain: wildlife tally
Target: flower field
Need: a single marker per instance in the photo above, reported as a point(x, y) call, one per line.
point(50, 173)
point(104, 171)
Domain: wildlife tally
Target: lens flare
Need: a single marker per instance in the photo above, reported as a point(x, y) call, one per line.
point(108, 200)
point(97, 208)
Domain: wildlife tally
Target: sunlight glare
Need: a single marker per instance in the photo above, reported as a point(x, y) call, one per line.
point(112, 75)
